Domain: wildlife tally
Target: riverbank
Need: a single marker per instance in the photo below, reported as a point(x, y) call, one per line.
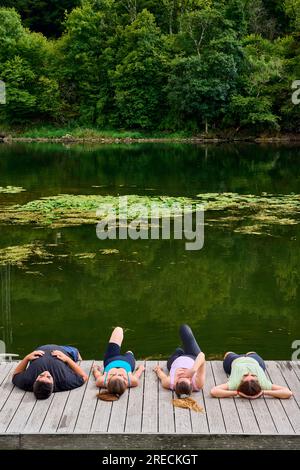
point(90, 135)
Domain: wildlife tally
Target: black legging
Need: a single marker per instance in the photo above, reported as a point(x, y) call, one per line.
point(190, 346)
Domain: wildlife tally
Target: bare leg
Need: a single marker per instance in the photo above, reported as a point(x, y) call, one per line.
point(117, 336)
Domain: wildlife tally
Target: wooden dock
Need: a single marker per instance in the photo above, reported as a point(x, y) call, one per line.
point(144, 418)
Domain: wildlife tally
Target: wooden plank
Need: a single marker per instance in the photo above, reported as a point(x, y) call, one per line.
point(5, 368)
point(296, 368)
point(117, 420)
point(228, 407)
point(102, 414)
point(36, 419)
point(183, 421)
point(277, 411)
point(10, 407)
point(135, 406)
point(212, 405)
point(54, 412)
point(199, 420)
point(150, 408)
point(6, 388)
point(88, 406)
point(72, 408)
point(291, 378)
point(166, 419)
point(290, 406)
point(22, 414)
point(245, 412)
point(263, 416)
point(156, 442)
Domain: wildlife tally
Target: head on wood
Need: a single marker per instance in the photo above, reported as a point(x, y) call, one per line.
point(43, 386)
point(183, 387)
point(251, 388)
point(115, 388)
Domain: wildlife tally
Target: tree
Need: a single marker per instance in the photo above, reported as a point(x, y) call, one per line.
point(32, 91)
point(44, 16)
point(140, 74)
point(253, 106)
point(201, 23)
point(82, 72)
point(199, 88)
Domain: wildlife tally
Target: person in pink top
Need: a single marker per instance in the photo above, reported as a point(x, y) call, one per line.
point(186, 366)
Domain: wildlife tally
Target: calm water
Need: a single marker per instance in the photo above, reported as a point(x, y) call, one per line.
point(240, 292)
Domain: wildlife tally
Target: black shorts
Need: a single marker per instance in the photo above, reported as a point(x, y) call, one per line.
point(113, 353)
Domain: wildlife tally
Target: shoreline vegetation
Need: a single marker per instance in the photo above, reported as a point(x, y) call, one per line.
point(193, 70)
point(79, 135)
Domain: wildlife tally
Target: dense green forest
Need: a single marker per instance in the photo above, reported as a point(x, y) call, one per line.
point(224, 67)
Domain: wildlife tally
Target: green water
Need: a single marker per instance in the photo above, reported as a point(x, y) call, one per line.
point(240, 292)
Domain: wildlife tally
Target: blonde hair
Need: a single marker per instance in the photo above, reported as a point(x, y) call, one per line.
point(188, 403)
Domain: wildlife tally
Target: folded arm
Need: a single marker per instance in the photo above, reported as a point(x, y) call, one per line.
point(221, 391)
point(22, 366)
point(278, 391)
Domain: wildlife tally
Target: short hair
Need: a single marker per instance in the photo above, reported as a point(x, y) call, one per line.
point(251, 388)
point(42, 390)
point(183, 388)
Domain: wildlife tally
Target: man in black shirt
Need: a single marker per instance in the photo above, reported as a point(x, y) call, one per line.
point(51, 368)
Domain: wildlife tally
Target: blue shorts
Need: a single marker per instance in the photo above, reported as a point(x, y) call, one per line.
point(232, 356)
point(71, 351)
point(113, 353)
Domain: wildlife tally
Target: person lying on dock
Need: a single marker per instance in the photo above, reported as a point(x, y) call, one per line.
point(49, 369)
point(187, 369)
point(247, 378)
point(118, 369)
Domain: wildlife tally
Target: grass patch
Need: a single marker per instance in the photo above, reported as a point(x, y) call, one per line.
point(49, 132)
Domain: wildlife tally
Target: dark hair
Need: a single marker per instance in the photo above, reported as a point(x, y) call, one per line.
point(183, 388)
point(115, 388)
point(42, 390)
point(249, 388)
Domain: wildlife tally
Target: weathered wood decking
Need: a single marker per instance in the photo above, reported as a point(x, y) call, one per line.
point(144, 417)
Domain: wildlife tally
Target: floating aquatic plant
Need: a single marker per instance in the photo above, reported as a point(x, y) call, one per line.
point(19, 254)
point(109, 251)
point(11, 189)
point(222, 209)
